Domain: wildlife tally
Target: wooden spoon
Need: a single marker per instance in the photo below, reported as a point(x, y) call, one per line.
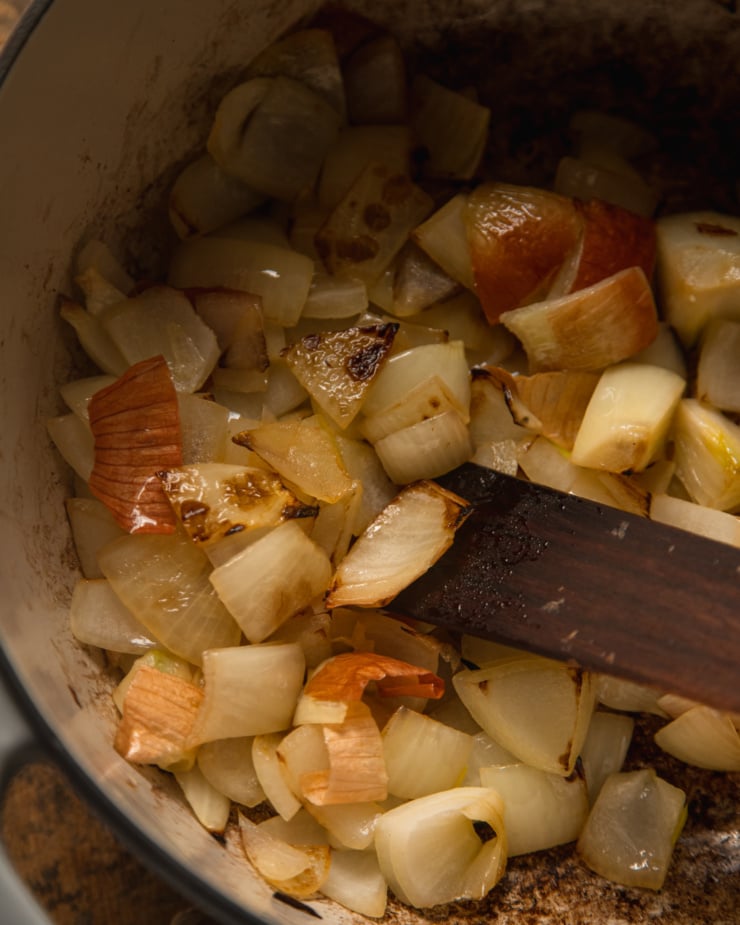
point(572, 579)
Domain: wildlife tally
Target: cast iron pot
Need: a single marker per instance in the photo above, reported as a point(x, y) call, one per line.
point(99, 104)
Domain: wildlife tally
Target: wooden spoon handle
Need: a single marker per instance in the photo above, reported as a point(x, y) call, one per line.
point(568, 578)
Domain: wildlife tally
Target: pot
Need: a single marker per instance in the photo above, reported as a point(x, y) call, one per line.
point(99, 105)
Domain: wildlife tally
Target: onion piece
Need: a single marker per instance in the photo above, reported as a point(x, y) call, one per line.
point(422, 755)
point(686, 515)
point(98, 618)
point(267, 767)
point(301, 829)
point(96, 255)
point(74, 441)
point(93, 526)
point(490, 415)
point(337, 524)
point(236, 319)
point(312, 633)
point(215, 500)
point(443, 236)
point(536, 708)
point(98, 291)
point(163, 580)
point(204, 198)
point(355, 147)
point(631, 829)
point(309, 56)
point(430, 852)
point(605, 748)
point(425, 400)
point(625, 425)
point(78, 392)
point(664, 351)
point(349, 825)
point(404, 540)
point(179, 335)
point(485, 753)
point(159, 711)
point(375, 82)
point(234, 683)
point(450, 128)
point(160, 660)
point(331, 297)
point(355, 881)
point(281, 277)
point(628, 696)
point(272, 134)
point(589, 329)
point(698, 270)
point(94, 339)
point(227, 765)
point(541, 809)
point(272, 579)
point(337, 368)
point(210, 807)
point(702, 737)
point(356, 769)
point(136, 427)
point(427, 449)
point(305, 453)
point(718, 374)
point(707, 455)
point(203, 429)
point(364, 467)
point(544, 463)
point(581, 179)
point(370, 225)
point(297, 871)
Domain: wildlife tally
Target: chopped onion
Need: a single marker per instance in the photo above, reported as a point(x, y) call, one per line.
point(364, 467)
point(312, 633)
point(349, 825)
point(698, 264)
point(163, 580)
point(305, 453)
point(272, 134)
point(707, 454)
point(301, 829)
point(375, 82)
point(309, 56)
point(94, 339)
point(426, 399)
point(210, 806)
point(235, 680)
point(136, 427)
point(664, 351)
point(706, 521)
point(203, 429)
point(443, 236)
point(582, 179)
point(74, 440)
point(536, 708)
point(490, 415)
point(93, 526)
point(619, 694)
point(96, 255)
point(544, 463)
point(371, 223)
point(204, 198)
point(355, 881)
point(228, 767)
point(355, 147)
point(330, 297)
point(272, 579)
point(162, 661)
point(485, 753)
point(77, 394)
point(337, 368)
point(450, 128)
point(427, 449)
point(337, 524)
point(187, 344)
point(297, 871)
point(605, 748)
point(404, 540)
point(430, 852)
point(423, 755)
point(628, 416)
point(98, 618)
point(159, 711)
point(541, 809)
point(702, 737)
point(280, 276)
point(216, 500)
point(268, 768)
point(632, 827)
point(718, 373)
point(588, 329)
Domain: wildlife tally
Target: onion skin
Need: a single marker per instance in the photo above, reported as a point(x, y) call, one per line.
point(136, 426)
point(345, 677)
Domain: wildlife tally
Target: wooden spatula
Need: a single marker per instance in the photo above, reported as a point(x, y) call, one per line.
point(572, 579)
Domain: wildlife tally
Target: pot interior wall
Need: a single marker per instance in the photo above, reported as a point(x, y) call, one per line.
point(97, 113)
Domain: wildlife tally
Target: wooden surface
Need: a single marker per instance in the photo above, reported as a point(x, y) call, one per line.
point(74, 865)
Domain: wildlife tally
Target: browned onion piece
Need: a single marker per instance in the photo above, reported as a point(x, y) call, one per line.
point(346, 676)
point(136, 426)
